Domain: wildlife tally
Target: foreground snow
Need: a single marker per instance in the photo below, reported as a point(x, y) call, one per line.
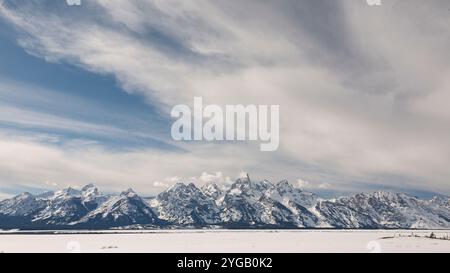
point(226, 241)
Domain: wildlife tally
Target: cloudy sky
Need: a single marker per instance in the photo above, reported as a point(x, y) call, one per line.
point(86, 92)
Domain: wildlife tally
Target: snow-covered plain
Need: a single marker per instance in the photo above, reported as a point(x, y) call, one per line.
point(226, 241)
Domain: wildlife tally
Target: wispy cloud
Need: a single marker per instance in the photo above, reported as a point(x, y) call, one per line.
point(361, 90)
point(308, 185)
point(4, 196)
point(35, 112)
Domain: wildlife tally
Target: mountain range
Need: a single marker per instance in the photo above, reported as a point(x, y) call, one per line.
point(245, 204)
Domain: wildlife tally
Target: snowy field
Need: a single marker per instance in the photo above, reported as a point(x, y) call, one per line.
point(226, 241)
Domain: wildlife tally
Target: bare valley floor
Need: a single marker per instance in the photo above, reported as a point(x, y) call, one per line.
point(226, 241)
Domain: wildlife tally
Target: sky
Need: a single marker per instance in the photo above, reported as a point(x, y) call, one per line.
point(86, 93)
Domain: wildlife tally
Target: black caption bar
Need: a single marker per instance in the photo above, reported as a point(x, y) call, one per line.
point(218, 262)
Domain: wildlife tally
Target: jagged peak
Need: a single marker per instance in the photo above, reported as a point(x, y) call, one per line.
point(441, 200)
point(243, 182)
point(88, 187)
point(129, 193)
point(387, 194)
point(265, 182)
point(283, 186)
point(69, 191)
point(176, 186)
point(212, 189)
point(182, 187)
point(24, 195)
point(210, 185)
point(284, 183)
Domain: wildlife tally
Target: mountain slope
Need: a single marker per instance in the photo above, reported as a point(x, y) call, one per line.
point(263, 204)
point(186, 205)
point(125, 209)
point(390, 210)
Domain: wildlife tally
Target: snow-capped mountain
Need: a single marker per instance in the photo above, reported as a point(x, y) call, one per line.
point(212, 190)
point(386, 210)
point(240, 205)
point(67, 205)
point(25, 205)
point(186, 205)
point(67, 208)
point(125, 209)
point(296, 204)
point(245, 204)
point(263, 204)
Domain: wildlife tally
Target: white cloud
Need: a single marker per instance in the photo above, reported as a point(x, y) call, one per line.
point(4, 196)
point(206, 177)
point(159, 184)
point(50, 183)
point(302, 183)
point(324, 186)
point(173, 179)
point(18, 109)
point(353, 104)
point(217, 177)
point(27, 162)
point(308, 185)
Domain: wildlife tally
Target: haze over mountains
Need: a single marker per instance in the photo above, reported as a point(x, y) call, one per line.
point(246, 204)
